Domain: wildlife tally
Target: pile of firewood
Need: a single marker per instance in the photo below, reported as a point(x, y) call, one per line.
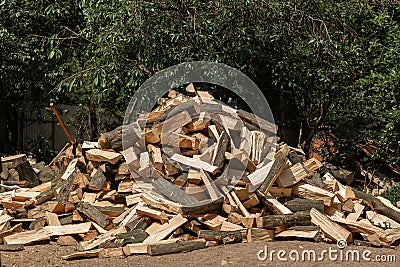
point(192, 173)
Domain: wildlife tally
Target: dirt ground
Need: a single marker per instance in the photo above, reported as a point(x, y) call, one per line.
point(226, 255)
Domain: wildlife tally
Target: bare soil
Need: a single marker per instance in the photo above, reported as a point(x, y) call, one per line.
point(225, 255)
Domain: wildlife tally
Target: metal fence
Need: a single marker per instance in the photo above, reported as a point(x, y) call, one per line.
point(36, 123)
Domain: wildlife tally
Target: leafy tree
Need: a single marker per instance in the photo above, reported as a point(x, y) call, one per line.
point(27, 71)
point(321, 64)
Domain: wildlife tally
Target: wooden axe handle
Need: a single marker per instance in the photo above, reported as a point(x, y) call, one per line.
point(60, 120)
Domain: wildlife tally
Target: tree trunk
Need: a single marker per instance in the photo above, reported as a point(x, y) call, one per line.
point(289, 118)
point(94, 130)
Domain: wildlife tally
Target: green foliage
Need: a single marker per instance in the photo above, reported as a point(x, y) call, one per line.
point(41, 150)
point(393, 194)
point(325, 63)
point(27, 71)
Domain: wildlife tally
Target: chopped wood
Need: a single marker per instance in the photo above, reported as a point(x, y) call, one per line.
point(381, 220)
point(302, 204)
point(97, 180)
point(46, 232)
point(52, 219)
point(99, 155)
point(84, 254)
point(272, 203)
point(364, 227)
point(385, 207)
point(157, 201)
point(273, 174)
point(291, 234)
point(289, 220)
point(166, 229)
point(180, 246)
point(312, 192)
point(257, 121)
point(260, 235)
point(67, 240)
point(95, 215)
point(221, 236)
point(280, 192)
point(195, 163)
point(141, 248)
point(174, 193)
point(152, 213)
point(27, 173)
point(358, 210)
point(293, 175)
point(330, 228)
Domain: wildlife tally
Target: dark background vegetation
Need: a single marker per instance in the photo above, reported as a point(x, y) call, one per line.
point(329, 69)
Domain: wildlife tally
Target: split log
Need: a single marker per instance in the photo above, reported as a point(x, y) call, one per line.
point(27, 173)
point(220, 149)
point(276, 169)
point(67, 241)
point(257, 121)
point(140, 248)
point(166, 229)
point(112, 139)
point(224, 237)
point(134, 236)
point(14, 247)
point(295, 219)
point(203, 208)
point(195, 163)
point(293, 175)
point(280, 192)
point(385, 207)
point(272, 203)
point(312, 192)
point(302, 204)
point(97, 180)
point(358, 210)
point(260, 235)
point(381, 220)
point(84, 254)
point(152, 213)
point(330, 228)
point(294, 157)
point(299, 234)
point(180, 246)
point(99, 155)
point(95, 215)
point(174, 193)
point(363, 227)
point(45, 233)
point(344, 176)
